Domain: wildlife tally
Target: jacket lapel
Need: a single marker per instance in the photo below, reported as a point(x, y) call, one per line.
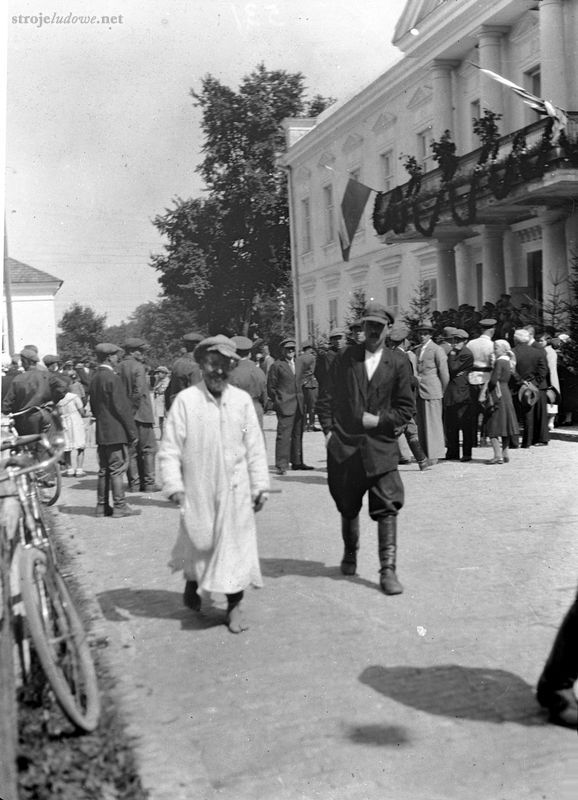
point(358, 363)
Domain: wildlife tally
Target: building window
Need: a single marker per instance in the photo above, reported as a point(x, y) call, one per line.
point(534, 267)
point(391, 299)
point(306, 223)
point(475, 114)
point(328, 210)
point(386, 161)
point(431, 286)
point(310, 316)
point(533, 83)
point(424, 152)
point(333, 312)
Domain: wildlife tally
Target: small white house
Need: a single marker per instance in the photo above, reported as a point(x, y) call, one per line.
point(33, 312)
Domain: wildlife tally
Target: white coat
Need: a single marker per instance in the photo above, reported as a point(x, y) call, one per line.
point(213, 451)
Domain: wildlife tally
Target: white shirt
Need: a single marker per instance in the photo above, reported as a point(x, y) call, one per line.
point(371, 361)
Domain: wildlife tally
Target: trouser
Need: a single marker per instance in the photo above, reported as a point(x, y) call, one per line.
point(112, 464)
point(141, 468)
point(309, 401)
point(348, 483)
point(289, 440)
point(561, 668)
point(456, 419)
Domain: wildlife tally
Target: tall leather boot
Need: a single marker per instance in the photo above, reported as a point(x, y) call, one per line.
point(418, 453)
point(350, 535)
point(148, 472)
point(387, 548)
point(121, 507)
point(103, 507)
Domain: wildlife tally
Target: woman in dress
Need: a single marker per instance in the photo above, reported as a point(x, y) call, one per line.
point(501, 424)
point(71, 410)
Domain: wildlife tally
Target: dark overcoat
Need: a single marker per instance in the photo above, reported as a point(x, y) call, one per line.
point(134, 378)
point(457, 392)
point(284, 387)
point(349, 393)
point(111, 408)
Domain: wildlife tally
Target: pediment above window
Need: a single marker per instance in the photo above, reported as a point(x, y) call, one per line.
point(420, 97)
point(353, 142)
point(327, 159)
point(384, 121)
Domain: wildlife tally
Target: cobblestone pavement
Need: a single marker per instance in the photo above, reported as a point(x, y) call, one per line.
point(338, 692)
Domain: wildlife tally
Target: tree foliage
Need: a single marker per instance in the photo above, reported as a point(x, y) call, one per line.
point(230, 249)
point(81, 328)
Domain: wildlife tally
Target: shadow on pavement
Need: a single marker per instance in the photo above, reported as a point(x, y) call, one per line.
point(379, 735)
point(450, 690)
point(280, 567)
point(307, 477)
point(119, 605)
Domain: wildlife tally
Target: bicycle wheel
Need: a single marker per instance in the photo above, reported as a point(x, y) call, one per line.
point(59, 639)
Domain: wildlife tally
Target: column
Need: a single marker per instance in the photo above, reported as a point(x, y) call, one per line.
point(553, 66)
point(493, 277)
point(465, 275)
point(510, 258)
point(446, 274)
point(489, 46)
point(443, 118)
point(554, 256)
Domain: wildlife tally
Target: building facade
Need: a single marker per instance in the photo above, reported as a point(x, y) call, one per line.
point(33, 312)
point(520, 243)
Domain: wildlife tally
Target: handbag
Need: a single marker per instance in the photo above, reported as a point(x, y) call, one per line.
point(490, 400)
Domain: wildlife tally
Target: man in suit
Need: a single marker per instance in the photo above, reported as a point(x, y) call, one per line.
point(285, 392)
point(248, 376)
point(185, 371)
point(310, 385)
point(337, 342)
point(531, 365)
point(31, 388)
point(115, 431)
point(457, 400)
point(141, 468)
point(432, 377)
point(368, 402)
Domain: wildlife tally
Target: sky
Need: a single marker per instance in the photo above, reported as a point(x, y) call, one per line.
point(101, 131)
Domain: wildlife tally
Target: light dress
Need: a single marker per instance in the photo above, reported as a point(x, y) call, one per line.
point(213, 451)
point(70, 408)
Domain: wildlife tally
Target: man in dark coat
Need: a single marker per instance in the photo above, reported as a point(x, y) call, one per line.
point(141, 468)
point(368, 402)
point(285, 392)
point(185, 371)
point(28, 389)
point(337, 342)
point(115, 431)
point(309, 385)
point(532, 366)
point(458, 408)
point(248, 376)
point(555, 687)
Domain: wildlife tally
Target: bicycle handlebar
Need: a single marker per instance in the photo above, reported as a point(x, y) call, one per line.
point(13, 464)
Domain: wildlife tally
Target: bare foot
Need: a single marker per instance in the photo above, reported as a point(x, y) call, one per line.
point(236, 621)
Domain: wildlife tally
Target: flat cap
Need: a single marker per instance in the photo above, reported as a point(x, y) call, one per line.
point(399, 331)
point(449, 332)
point(242, 342)
point(288, 342)
point(376, 312)
point(194, 336)
point(355, 325)
point(51, 359)
point(134, 344)
point(488, 323)
point(307, 346)
point(216, 344)
point(29, 354)
point(460, 333)
point(162, 369)
point(334, 332)
point(107, 348)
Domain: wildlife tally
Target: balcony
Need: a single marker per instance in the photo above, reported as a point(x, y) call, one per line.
point(528, 170)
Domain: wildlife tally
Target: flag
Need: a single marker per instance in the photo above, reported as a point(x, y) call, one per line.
point(544, 107)
point(352, 208)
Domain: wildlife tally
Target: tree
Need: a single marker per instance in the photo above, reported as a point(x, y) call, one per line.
point(357, 304)
point(230, 249)
point(419, 309)
point(81, 330)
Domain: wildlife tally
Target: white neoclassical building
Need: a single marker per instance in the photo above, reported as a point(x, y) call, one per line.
point(521, 237)
point(33, 311)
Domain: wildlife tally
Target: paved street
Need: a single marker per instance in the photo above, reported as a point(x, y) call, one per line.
point(338, 692)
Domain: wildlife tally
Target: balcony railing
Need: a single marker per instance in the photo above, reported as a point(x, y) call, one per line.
point(478, 193)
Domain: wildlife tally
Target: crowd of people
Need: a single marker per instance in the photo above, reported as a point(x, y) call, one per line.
point(369, 388)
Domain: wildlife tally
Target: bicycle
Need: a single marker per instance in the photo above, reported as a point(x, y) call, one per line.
point(50, 479)
point(51, 619)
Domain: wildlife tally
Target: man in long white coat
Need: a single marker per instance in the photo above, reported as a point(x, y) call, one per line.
point(213, 465)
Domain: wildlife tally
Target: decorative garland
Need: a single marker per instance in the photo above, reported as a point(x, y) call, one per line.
point(521, 164)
